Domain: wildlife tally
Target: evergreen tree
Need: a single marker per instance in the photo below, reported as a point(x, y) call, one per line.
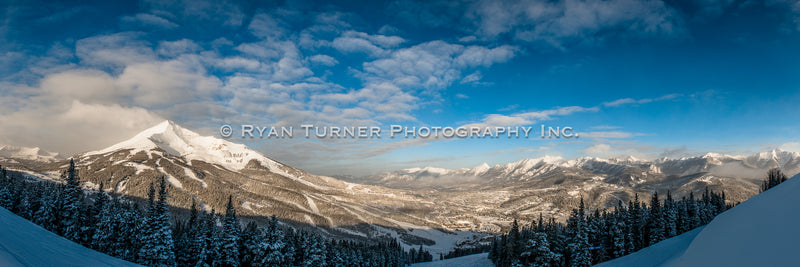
point(774, 177)
point(656, 223)
point(6, 197)
point(315, 255)
point(253, 246)
point(104, 238)
point(512, 246)
point(579, 247)
point(70, 205)
point(276, 245)
point(537, 251)
point(228, 249)
point(190, 246)
point(618, 238)
point(157, 243)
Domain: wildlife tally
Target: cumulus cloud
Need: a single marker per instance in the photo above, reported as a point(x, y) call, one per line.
point(372, 45)
point(323, 60)
point(598, 150)
point(149, 20)
point(557, 23)
point(73, 127)
point(622, 148)
point(114, 50)
point(528, 118)
point(218, 12)
point(357, 45)
point(432, 65)
point(176, 48)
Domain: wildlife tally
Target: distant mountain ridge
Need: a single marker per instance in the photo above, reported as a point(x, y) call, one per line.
point(27, 153)
point(745, 167)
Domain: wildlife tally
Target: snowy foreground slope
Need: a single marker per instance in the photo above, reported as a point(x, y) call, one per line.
point(23, 243)
point(477, 260)
point(762, 231)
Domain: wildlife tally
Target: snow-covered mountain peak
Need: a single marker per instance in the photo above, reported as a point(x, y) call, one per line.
point(428, 170)
point(178, 141)
point(29, 153)
point(480, 169)
point(173, 139)
point(777, 156)
point(529, 163)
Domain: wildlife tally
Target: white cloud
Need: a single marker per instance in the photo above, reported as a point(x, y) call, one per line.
point(619, 148)
point(176, 48)
point(557, 23)
point(149, 20)
point(73, 127)
point(619, 102)
point(357, 45)
point(527, 118)
point(115, 50)
point(219, 12)
point(323, 60)
point(475, 77)
point(266, 27)
point(791, 146)
point(626, 101)
point(432, 65)
point(598, 150)
point(385, 41)
point(371, 45)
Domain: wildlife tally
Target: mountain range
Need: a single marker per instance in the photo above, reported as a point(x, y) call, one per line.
point(628, 170)
point(435, 207)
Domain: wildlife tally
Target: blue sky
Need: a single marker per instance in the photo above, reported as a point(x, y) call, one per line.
point(644, 78)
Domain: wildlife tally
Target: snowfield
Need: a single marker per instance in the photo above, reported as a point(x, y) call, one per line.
point(762, 231)
point(23, 243)
point(476, 260)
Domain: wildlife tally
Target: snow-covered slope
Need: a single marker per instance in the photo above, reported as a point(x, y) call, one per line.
point(476, 260)
point(177, 141)
point(762, 231)
point(29, 153)
point(656, 255)
point(23, 243)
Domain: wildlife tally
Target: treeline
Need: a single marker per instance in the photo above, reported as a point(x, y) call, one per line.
point(460, 252)
point(591, 237)
point(774, 177)
point(147, 235)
